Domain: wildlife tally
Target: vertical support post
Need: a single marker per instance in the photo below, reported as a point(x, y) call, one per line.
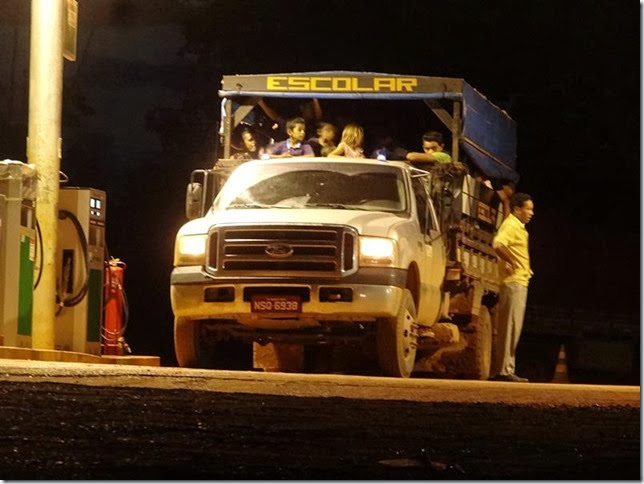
point(228, 121)
point(44, 151)
point(456, 129)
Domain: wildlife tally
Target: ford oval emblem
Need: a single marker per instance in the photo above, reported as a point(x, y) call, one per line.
point(279, 251)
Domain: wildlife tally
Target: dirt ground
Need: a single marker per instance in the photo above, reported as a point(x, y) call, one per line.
point(68, 431)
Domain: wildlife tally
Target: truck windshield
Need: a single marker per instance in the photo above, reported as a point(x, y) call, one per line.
point(335, 185)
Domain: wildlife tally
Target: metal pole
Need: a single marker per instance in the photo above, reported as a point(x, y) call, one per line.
point(44, 151)
point(456, 129)
point(228, 127)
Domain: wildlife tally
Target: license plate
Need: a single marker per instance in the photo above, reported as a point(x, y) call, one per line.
point(276, 304)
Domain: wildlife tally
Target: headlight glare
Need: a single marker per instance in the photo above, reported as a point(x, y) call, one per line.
point(377, 251)
point(190, 250)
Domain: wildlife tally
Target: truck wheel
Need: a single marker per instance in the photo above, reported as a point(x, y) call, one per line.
point(397, 340)
point(478, 355)
point(185, 347)
point(194, 351)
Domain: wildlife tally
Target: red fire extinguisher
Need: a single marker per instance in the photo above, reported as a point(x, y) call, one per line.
point(115, 310)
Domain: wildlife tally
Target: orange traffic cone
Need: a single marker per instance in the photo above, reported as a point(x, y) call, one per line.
point(561, 370)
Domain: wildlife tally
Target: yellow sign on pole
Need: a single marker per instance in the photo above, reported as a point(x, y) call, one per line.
point(70, 30)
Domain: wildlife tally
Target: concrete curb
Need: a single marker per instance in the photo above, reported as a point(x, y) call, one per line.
point(13, 353)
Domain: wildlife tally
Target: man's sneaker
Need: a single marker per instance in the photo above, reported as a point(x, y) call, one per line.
point(509, 378)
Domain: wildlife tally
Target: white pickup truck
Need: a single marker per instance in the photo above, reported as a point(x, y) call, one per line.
point(313, 243)
point(311, 252)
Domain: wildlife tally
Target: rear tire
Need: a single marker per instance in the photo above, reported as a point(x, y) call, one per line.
point(478, 355)
point(396, 339)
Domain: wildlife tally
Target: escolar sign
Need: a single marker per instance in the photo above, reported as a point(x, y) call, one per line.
point(341, 84)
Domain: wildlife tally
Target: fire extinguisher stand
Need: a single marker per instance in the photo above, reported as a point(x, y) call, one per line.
point(116, 310)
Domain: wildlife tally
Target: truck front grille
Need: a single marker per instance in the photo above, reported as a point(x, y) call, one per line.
point(273, 251)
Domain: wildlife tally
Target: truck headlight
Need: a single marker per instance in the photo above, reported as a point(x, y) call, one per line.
point(190, 250)
point(378, 251)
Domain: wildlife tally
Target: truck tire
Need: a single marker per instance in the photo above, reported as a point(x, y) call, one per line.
point(478, 355)
point(185, 342)
point(396, 340)
point(192, 350)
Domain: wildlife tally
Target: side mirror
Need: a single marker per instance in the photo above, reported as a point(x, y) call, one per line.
point(194, 195)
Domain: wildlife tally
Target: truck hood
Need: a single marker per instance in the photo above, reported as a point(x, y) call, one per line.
point(377, 224)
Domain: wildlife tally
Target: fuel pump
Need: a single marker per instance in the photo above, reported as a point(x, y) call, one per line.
point(80, 269)
point(17, 251)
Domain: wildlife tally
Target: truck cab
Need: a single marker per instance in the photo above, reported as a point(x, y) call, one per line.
point(299, 253)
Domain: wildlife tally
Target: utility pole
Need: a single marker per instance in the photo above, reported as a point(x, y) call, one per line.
point(44, 151)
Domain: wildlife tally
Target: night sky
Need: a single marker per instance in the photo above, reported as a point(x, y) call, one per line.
point(141, 106)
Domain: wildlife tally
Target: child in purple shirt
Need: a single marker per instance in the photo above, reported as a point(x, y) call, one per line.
point(293, 146)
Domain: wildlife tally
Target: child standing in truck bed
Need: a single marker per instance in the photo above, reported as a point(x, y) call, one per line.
point(324, 143)
point(433, 147)
point(250, 149)
point(294, 145)
point(351, 144)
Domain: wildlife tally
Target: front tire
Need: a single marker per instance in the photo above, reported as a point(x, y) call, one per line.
point(397, 338)
point(185, 342)
point(193, 349)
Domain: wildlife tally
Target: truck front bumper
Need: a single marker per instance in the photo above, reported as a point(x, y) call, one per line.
point(374, 293)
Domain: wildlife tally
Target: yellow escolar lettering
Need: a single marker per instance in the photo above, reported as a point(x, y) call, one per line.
point(275, 83)
point(320, 84)
point(341, 84)
point(299, 84)
point(355, 86)
point(406, 84)
point(384, 84)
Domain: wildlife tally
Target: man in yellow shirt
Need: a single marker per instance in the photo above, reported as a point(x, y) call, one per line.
point(511, 246)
